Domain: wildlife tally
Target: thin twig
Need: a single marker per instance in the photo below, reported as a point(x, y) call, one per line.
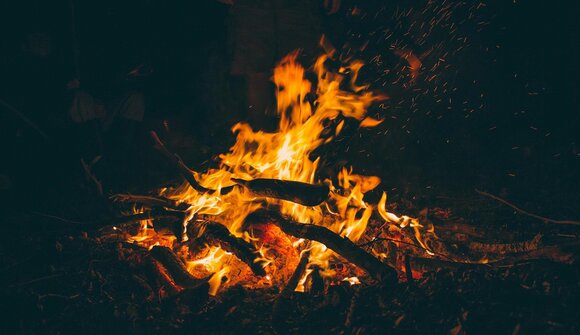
point(178, 163)
point(185, 171)
point(36, 280)
point(59, 218)
point(23, 118)
point(519, 210)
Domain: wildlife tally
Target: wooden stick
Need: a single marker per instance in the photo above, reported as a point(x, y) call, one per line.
point(519, 210)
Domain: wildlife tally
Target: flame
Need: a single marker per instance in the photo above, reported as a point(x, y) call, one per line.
point(305, 111)
point(216, 280)
point(352, 280)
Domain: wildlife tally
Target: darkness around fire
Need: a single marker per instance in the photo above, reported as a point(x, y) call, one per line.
point(494, 107)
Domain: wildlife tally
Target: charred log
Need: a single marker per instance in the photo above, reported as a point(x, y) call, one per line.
point(342, 246)
point(158, 273)
point(175, 267)
point(506, 248)
point(215, 234)
point(301, 193)
point(191, 296)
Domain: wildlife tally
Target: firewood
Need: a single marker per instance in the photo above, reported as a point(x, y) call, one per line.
point(505, 248)
point(298, 192)
point(521, 211)
point(316, 280)
point(392, 251)
point(409, 271)
point(175, 267)
point(154, 214)
point(158, 273)
point(352, 308)
point(215, 234)
point(296, 276)
point(149, 201)
point(281, 307)
point(341, 245)
point(554, 253)
point(422, 264)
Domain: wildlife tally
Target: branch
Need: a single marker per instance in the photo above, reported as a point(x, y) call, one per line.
point(519, 210)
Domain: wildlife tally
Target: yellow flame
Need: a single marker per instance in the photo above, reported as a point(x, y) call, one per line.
point(352, 280)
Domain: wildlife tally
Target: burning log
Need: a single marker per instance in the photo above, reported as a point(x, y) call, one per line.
point(208, 232)
point(218, 235)
point(175, 268)
point(342, 246)
point(301, 193)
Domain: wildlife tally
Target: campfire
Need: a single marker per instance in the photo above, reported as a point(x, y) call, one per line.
point(420, 176)
point(266, 215)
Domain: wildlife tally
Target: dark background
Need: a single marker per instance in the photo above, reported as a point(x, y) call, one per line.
point(495, 106)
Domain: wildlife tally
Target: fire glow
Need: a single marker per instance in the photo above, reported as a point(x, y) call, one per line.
point(305, 124)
